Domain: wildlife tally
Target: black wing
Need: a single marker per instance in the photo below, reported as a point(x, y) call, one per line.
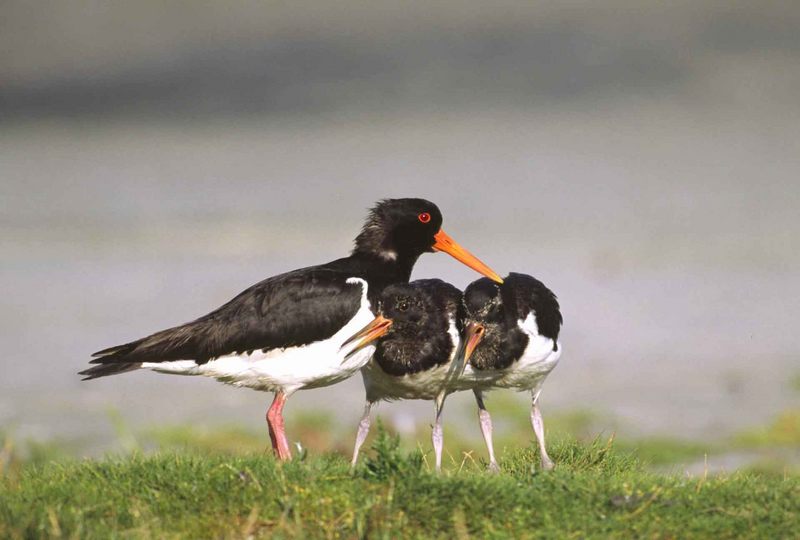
point(283, 311)
point(527, 294)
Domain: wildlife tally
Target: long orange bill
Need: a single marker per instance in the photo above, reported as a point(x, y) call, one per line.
point(451, 247)
point(374, 330)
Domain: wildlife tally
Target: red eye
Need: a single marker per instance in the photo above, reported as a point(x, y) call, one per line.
point(424, 217)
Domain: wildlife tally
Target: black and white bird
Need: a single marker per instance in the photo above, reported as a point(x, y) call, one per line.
point(510, 340)
point(416, 341)
point(286, 333)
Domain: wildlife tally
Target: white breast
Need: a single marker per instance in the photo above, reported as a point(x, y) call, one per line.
point(313, 365)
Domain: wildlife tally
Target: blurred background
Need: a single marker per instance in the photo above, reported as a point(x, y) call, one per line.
point(640, 158)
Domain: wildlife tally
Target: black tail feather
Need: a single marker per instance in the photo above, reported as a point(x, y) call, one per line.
point(170, 344)
point(105, 370)
point(117, 350)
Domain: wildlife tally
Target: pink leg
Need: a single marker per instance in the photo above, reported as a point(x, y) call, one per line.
point(437, 436)
point(486, 430)
point(276, 431)
point(538, 429)
point(363, 431)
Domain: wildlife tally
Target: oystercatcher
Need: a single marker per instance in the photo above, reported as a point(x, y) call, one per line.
point(510, 340)
point(416, 339)
point(285, 333)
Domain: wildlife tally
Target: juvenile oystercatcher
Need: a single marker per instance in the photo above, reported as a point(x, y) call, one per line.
point(286, 332)
point(510, 340)
point(416, 339)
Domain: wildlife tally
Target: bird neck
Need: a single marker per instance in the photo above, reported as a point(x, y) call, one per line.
point(380, 271)
point(375, 242)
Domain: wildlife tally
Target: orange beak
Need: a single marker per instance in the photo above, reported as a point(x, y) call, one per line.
point(374, 330)
point(473, 336)
point(451, 247)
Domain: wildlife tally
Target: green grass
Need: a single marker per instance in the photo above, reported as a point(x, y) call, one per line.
point(596, 491)
point(665, 451)
point(783, 431)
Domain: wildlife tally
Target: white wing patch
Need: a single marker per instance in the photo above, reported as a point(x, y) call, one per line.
point(454, 337)
point(528, 324)
point(364, 286)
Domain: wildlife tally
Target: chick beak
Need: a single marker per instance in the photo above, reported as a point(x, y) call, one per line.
point(378, 327)
point(472, 337)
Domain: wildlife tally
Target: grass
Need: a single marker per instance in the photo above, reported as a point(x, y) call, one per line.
point(187, 482)
point(596, 491)
point(783, 431)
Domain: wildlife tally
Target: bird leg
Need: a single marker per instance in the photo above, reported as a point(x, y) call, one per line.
point(276, 429)
point(437, 436)
point(486, 429)
point(538, 429)
point(363, 431)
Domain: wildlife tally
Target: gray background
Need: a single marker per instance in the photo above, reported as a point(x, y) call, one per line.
point(640, 158)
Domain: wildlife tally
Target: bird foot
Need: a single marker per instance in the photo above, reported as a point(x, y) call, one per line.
point(493, 467)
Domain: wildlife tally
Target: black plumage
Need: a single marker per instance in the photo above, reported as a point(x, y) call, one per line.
point(298, 318)
point(418, 339)
point(524, 294)
point(498, 308)
point(414, 352)
point(284, 311)
point(503, 348)
point(297, 307)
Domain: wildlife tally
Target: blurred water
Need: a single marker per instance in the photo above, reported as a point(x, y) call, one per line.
point(641, 159)
point(672, 245)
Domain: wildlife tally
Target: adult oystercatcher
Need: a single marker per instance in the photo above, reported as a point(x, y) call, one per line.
point(417, 340)
point(510, 340)
point(286, 332)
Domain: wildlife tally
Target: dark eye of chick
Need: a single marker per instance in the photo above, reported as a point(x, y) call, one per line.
point(402, 304)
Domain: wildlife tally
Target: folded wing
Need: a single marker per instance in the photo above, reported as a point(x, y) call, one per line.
point(291, 309)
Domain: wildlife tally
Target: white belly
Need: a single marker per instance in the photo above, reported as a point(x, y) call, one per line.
point(314, 365)
point(423, 385)
point(527, 373)
point(530, 371)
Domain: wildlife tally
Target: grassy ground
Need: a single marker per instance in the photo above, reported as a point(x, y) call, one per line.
point(596, 491)
point(192, 482)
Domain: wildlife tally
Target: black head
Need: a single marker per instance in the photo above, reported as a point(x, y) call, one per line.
point(420, 308)
point(483, 303)
point(400, 230)
point(419, 337)
point(489, 326)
